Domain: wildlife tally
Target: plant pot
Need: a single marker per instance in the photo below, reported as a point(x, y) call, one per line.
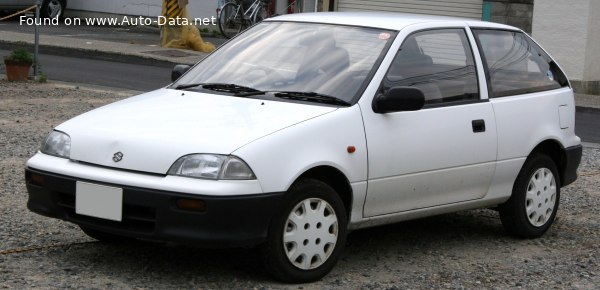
point(16, 70)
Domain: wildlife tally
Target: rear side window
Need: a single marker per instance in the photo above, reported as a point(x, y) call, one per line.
point(439, 63)
point(516, 65)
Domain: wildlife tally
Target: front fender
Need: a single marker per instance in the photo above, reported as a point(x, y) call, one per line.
point(280, 158)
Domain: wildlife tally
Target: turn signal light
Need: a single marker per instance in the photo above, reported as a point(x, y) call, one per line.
point(191, 204)
point(351, 149)
point(37, 179)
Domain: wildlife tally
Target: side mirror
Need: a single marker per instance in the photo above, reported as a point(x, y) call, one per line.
point(399, 99)
point(178, 71)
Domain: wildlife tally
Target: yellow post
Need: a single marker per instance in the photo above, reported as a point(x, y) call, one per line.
point(175, 33)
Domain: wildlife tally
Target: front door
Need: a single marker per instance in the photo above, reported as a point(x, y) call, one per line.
point(444, 153)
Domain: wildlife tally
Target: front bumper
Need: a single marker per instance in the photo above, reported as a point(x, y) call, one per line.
point(228, 221)
point(571, 161)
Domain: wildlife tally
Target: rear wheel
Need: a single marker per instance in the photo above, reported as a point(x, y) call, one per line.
point(532, 207)
point(231, 20)
point(52, 9)
point(308, 235)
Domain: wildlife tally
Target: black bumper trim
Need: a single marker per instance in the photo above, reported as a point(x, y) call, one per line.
point(570, 164)
point(234, 221)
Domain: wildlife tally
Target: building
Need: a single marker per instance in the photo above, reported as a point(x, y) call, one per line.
point(459, 8)
point(570, 31)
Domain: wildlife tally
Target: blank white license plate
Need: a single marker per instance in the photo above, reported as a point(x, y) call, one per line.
point(99, 201)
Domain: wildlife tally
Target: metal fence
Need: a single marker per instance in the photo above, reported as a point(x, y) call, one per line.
point(36, 32)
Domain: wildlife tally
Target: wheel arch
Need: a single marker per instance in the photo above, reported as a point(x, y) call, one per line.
point(553, 149)
point(334, 178)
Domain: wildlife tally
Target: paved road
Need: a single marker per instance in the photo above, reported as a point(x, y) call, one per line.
point(102, 73)
point(587, 125)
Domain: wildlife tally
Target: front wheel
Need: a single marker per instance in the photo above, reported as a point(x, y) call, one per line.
point(231, 20)
point(532, 207)
point(308, 235)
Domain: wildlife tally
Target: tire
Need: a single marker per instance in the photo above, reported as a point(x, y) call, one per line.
point(231, 20)
point(260, 14)
point(52, 9)
point(305, 253)
point(532, 207)
point(103, 236)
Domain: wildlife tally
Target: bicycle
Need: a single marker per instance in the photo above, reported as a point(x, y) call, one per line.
point(233, 18)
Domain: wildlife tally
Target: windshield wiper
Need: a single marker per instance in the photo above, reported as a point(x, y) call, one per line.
point(242, 91)
point(312, 97)
point(230, 88)
point(187, 86)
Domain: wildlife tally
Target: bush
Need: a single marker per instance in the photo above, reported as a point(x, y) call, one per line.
point(20, 55)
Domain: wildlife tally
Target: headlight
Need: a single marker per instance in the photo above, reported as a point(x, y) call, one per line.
point(57, 144)
point(211, 166)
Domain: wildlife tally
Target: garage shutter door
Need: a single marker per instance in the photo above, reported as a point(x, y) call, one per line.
point(458, 8)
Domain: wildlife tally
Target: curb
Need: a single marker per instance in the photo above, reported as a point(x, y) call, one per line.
point(587, 110)
point(90, 54)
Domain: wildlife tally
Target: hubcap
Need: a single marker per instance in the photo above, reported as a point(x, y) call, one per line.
point(310, 233)
point(54, 9)
point(541, 197)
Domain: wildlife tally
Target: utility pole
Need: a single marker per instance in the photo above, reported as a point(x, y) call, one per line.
point(37, 39)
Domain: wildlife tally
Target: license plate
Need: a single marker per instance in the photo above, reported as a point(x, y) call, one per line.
point(99, 201)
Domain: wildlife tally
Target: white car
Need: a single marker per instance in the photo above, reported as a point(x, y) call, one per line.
point(308, 126)
point(48, 8)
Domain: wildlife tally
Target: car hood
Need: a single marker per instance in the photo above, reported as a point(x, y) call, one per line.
point(153, 130)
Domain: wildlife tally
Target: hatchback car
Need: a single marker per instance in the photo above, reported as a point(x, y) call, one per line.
point(48, 9)
point(308, 126)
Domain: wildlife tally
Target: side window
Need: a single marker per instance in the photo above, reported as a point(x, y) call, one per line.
point(516, 65)
point(439, 63)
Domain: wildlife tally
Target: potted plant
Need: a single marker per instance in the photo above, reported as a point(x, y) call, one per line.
point(17, 64)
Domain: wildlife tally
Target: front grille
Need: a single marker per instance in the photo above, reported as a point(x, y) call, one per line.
point(136, 218)
point(121, 169)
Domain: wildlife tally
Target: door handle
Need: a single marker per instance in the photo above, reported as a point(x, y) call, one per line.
point(478, 126)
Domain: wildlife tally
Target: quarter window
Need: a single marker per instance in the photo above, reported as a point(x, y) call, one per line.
point(439, 63)
point(516, 65)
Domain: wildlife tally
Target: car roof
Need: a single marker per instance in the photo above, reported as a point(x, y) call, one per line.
point(386, 20)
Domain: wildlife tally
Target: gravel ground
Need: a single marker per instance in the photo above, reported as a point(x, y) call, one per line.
point(455, 251)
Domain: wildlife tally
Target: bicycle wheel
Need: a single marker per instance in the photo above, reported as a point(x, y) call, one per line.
point(260, 14)
point(230, 20)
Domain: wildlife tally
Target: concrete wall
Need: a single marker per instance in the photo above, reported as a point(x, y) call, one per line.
point(570, 32)
point(518, 13)
point(592, 56)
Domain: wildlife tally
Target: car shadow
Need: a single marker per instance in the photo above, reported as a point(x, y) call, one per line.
point(174, 263)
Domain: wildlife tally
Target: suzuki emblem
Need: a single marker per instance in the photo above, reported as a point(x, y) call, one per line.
point(118, 157)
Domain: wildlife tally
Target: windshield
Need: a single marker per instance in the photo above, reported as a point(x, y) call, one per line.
point(328, 60)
